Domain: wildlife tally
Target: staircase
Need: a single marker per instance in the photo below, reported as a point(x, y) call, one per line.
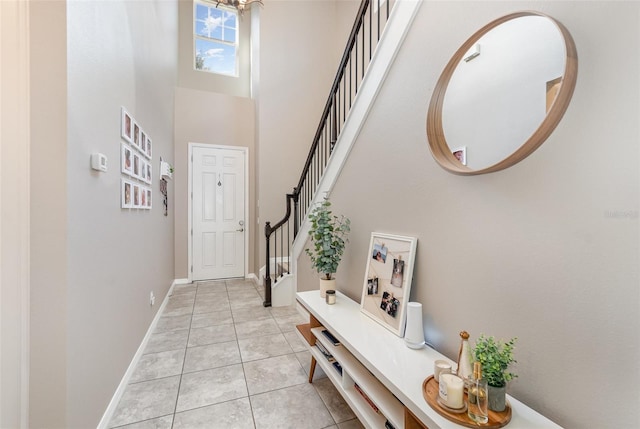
point(374, 40)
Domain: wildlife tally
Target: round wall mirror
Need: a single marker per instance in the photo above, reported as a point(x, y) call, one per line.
point(502, 94)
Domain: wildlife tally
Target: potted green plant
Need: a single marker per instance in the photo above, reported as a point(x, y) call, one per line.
point(328, 235)
point(495, 356)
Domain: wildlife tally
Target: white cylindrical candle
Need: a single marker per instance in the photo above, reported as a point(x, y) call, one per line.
point(441, 367)
point(451, 390)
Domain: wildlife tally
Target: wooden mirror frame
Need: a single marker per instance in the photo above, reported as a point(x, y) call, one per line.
point(435, 133)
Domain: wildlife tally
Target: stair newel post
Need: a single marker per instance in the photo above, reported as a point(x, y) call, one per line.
point(267, 269)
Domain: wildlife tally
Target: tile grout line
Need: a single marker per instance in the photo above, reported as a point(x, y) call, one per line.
point(244, 374)
point(200, 291)
point(184, 359)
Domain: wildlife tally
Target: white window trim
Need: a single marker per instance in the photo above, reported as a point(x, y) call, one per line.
point(236, 44)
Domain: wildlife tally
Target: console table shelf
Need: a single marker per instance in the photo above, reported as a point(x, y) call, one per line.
point(353, 372)
point(389, 373)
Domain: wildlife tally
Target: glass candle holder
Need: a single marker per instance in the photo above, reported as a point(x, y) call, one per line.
point(331, 297)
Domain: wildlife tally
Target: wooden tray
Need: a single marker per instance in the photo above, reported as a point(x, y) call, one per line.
point(430, 393)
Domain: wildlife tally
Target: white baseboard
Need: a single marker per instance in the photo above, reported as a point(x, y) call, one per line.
point(108, 414)
point(252, 276)
point(181, 282)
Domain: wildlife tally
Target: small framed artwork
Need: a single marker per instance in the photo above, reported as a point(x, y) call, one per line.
point(136, 165)
point(143, 143)
point(126, 194)
point(126, 156)
point(146, 173)
point(136, 135)
point(387, 280)
point(461, 154)
point(149, 206)
point(148, 147)
point(136, 196)
point(143, 197)
point(143, 170)
point(125, 131)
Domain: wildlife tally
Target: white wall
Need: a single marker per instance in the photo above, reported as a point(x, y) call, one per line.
point(49, 298)
point(301, 43)
point(209, 118)
point(546, 250)
point(120, 53)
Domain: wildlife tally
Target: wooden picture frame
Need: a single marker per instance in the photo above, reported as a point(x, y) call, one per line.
point(387, 280)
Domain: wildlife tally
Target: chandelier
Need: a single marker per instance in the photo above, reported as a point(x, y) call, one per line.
point(240, 5)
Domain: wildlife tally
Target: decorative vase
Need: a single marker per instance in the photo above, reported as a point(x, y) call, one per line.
point(326, 285)
point(497, 398)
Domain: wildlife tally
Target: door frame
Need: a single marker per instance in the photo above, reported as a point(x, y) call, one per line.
point(247, 226)
point(15, 222)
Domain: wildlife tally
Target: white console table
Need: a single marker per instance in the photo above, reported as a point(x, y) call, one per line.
point(385, 369)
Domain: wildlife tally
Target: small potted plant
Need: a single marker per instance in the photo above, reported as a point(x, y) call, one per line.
point(495, 357)
point(328, 234)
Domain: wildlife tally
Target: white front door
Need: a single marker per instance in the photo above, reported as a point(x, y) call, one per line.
point(218, 212)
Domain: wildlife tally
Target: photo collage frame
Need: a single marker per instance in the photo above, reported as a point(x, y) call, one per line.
point(136, 164)
point(387, 280)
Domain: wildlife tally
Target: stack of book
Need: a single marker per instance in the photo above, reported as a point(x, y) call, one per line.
point(325, 352)
point(366, 398)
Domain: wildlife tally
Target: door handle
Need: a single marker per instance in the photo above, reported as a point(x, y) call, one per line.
point(240, 230)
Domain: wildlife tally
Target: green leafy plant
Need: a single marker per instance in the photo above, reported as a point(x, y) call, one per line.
point(495, 357)
point(328, 235)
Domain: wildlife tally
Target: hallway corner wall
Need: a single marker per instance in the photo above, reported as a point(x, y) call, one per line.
point(119, 54)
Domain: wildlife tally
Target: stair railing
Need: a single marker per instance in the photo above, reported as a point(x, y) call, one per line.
point(363, 39)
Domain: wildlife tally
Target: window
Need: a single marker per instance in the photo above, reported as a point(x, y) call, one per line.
point(215, 38)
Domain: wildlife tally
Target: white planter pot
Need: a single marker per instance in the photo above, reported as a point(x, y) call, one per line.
point(326, 285)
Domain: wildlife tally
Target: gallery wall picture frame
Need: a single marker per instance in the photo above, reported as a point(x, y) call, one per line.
point(143, 143)
point(146, 173)
point(143, 197)
point(143, 170)
point(126, 125)
point(126, 194)
point(136, 196)
point(126, 160)
point(461, 154)
point(136, 135)
point(136, 165)
point(387, 280)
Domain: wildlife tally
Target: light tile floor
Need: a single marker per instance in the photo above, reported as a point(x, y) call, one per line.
point(219, 359)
